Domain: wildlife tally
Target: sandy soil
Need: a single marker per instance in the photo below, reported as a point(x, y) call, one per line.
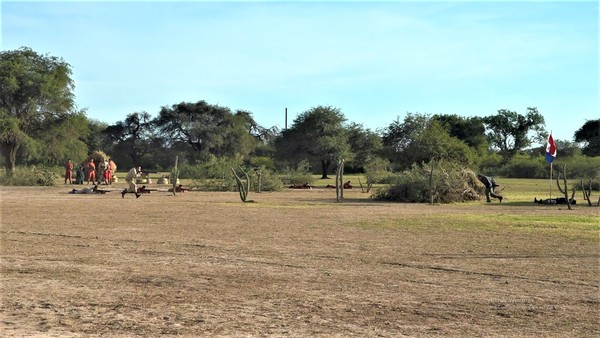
point(294, 263)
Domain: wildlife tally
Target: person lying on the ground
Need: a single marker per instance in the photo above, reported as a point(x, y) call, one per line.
point(301, 186)
point(87, 190)
point(179, 188)
point(559, 200)
point(144, 190)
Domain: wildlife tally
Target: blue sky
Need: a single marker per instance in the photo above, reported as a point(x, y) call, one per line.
point(376, 61)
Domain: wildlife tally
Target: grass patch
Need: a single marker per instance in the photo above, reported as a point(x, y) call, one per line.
point(584, 227)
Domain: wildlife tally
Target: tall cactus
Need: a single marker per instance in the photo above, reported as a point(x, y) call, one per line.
point(587, 193)
point(565, 191)
point(242, 188)
point(339, 181)
point(175, 176)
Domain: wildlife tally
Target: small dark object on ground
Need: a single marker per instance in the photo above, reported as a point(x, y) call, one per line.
point(552, 201)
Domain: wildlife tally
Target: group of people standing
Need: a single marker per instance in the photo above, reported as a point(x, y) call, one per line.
point(103, 175)
point(89, 172)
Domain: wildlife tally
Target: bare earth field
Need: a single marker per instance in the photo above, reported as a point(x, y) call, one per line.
point(293, 263)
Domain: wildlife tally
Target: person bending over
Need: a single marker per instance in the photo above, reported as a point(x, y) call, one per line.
point(490, 188)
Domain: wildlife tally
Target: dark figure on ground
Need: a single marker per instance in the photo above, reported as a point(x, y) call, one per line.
point(490, 188)
point(179, 188)
point(301, 186)
point(87, 190)
point(143, 190)
point(347, 185)
point(550, 201)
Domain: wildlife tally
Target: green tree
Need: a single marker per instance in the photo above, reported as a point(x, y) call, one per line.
point(97, 139)
point(470, 130)
point(365, 146)
point(317, 135)
point(132, 138)
point(399, 135)
point(421, 139)
point(35, 91)
point(208, 129)
point(589, 134)
point(508, 131)
point(64, 139)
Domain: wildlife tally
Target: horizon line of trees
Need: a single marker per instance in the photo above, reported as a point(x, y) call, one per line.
point(40, 124)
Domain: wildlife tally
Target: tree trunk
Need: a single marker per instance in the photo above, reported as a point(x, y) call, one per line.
point(10, 157)
point(325, 168)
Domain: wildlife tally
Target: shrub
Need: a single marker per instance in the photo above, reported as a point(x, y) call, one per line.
point(30, 176)
point(300, 175)
point(582, 167)
point(270, 181)
point(523, 166)
point(450, 184)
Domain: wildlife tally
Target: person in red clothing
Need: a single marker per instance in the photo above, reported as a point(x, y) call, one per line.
point(107, 175)
point(69, 172)
point(113, 169)
point(91, 174)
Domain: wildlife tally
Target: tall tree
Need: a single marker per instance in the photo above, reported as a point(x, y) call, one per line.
point(399, 135)
point(65, 139)
point(35, 91)
point(470, 130)
point(97, 139)
point(317, 135)
point(131, 137)
point(208, 129)
point(509, 131)
point(420, 139)
point(589, 134)
point(365, 146)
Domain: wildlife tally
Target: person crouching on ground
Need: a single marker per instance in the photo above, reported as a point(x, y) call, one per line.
point(130, 179)
point(490, 187)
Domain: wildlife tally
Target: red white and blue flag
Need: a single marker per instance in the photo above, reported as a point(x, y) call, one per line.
point(550, 149)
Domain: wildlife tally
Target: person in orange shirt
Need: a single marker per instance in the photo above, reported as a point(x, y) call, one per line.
point(107, 175)
point(91, 175)
point(69, 172)
point(113, 169)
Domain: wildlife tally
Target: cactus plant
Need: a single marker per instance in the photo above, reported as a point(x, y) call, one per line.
point(242, 188)
point(565, 191)
point(175, 176)
point(587, 193)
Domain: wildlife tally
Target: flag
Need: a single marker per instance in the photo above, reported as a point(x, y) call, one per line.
point(550, 149)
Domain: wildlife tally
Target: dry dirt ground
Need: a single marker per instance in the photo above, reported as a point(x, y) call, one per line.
point(294, 263)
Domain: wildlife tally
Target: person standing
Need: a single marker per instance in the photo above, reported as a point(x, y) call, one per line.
point(490, 188)
point(102, 164)
point(69, 172)
point(113, 169)
point(91, 174)
point(80, 175)
point(132, 174)
point(107, 176)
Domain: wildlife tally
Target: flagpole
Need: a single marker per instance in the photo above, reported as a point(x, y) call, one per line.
point(550, 180)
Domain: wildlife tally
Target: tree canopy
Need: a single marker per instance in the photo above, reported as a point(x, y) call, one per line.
point(208, 129)
point(420, 138)
point(36, 91)
point(589, 134)
point(317, 135)
point(508, 131)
